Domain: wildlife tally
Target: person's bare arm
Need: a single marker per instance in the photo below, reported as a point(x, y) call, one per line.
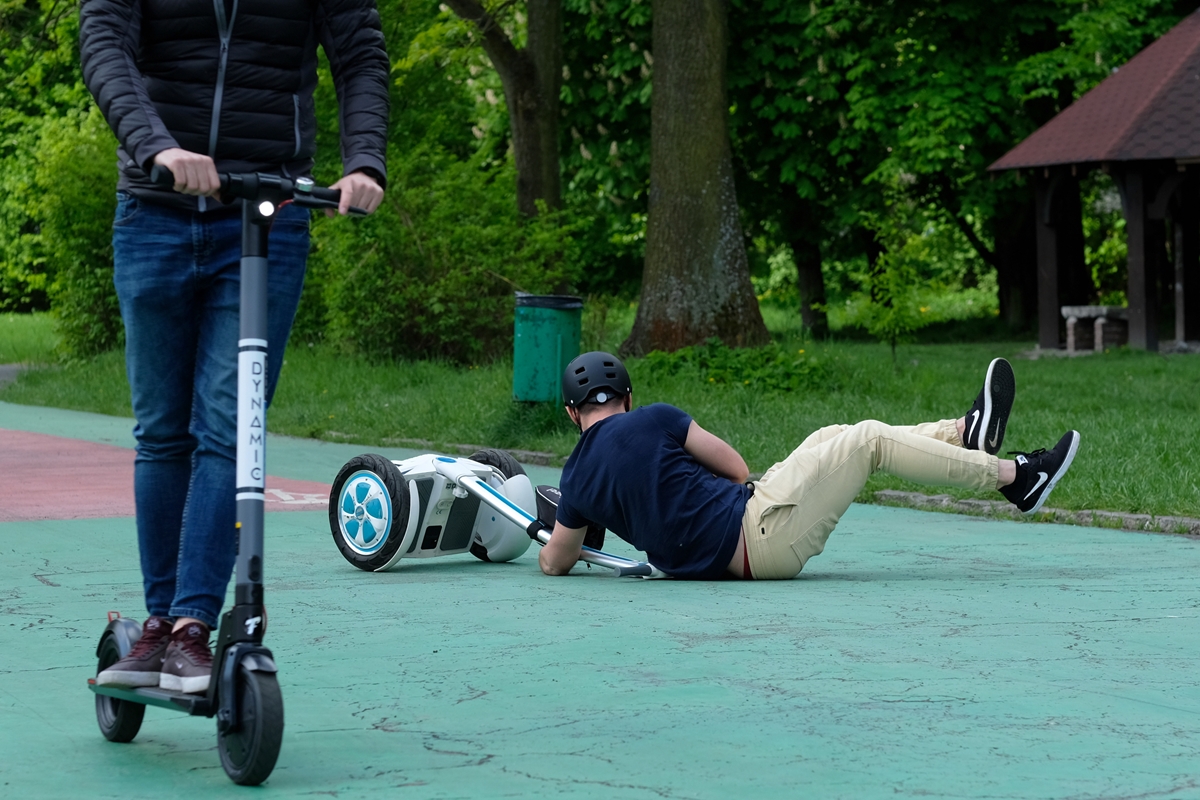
point(562, 551)
point(715, 454)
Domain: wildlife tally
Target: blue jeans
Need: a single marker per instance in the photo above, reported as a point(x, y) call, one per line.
point(177, 279)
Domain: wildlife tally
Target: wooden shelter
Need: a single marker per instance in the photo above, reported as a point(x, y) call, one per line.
point(1141, 126)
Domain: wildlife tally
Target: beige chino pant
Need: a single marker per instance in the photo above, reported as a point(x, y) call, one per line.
point(797, 502)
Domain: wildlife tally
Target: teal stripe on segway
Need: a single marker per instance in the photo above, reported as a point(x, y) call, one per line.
point(505, 500)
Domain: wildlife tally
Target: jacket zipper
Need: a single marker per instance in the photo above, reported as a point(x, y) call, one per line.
point(296, 123)
point(225, 30)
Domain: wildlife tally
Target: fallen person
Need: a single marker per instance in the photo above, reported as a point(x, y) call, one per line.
point(681, 495)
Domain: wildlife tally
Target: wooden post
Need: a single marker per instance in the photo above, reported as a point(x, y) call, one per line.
point(1143, 330)
point(1047, 264)
point(1188, 223)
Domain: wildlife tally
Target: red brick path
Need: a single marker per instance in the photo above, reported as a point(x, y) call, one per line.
point(52, 477)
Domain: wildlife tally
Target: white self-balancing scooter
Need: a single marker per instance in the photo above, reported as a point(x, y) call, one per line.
point(383, 511)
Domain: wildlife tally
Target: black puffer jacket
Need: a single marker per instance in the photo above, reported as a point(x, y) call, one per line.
point(234, 79)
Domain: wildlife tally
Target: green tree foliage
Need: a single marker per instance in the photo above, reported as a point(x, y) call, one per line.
point(864, 109)
point(432, 273)
point(39, 81)
point(607, 68)
point(865, 126)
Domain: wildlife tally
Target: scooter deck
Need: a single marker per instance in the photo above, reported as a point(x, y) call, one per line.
point(195, 704)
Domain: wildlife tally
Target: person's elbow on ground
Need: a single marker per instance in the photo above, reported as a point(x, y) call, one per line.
point(550, 568)
point(562, 551)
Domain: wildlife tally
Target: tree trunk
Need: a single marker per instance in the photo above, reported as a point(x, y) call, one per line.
point(802, 227)
point(696, 282)
point(532, 78)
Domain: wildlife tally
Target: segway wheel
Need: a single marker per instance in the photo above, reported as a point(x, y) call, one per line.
point(248, 754)
point(119, 720)
point(507, 466)
point(368, 511)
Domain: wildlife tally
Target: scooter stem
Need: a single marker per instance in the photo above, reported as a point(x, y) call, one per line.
point(252, 406)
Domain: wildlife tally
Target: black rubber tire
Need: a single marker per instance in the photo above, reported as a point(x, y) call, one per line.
point(119, 720)
point(508, 467)
point(397, 488)
point(249, 753)
point(500, 459)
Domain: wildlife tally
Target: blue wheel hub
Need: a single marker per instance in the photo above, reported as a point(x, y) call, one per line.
point(365, 517)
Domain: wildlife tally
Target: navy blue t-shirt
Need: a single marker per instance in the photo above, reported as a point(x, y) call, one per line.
point(630, 473)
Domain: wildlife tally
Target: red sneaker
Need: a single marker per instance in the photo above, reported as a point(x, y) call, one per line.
point(144, 663)
point(187, 663)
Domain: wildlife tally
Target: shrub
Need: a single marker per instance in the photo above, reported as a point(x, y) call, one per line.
point(432, 273)
point(771, 368)
point(890, 308)
point(24, 283)
point(76, 198)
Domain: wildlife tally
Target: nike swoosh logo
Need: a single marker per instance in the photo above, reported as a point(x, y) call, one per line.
point(1042, 478)
point(974, 422)
point(994, 439)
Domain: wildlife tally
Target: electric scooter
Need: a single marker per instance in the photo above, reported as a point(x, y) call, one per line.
point(382, 512)
point(243, 693)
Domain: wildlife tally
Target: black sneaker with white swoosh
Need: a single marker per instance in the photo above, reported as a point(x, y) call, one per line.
point(988, 417)
point(1039, 471)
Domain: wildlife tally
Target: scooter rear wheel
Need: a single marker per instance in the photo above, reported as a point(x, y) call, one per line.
point(119, 720)
point(248, 754)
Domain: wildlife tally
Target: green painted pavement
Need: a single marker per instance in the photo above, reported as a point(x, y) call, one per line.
point(921, 655)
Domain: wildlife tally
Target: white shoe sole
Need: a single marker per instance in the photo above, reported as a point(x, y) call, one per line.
point(989, 387)
point(177, 683)
point(1058, 473)
point(128, 679)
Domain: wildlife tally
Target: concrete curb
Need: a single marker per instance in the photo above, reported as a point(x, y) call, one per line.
point(1146, 523)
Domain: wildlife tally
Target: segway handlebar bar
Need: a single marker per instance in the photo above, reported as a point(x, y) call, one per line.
point(621, 567)
point(260, 186)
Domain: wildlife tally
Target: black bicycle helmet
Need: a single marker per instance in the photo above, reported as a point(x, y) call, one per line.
point(591, 372)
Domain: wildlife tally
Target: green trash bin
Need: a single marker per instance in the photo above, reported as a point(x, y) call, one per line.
point(546, 332)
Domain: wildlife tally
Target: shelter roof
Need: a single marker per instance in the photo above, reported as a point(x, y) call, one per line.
point(1149, 109)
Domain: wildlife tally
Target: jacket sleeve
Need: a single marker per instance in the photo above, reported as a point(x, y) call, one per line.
point(109, 31)
point(352, 36)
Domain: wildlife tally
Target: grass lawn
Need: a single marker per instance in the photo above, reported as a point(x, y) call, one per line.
point(1137, 412)
point(27, 339)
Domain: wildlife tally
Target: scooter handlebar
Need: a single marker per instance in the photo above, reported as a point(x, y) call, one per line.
point(255, 186)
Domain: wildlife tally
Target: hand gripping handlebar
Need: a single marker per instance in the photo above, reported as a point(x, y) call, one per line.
point(258, 187)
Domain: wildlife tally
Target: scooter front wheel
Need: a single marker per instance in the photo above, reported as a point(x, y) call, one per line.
point(119, 720)
point(248, 753)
